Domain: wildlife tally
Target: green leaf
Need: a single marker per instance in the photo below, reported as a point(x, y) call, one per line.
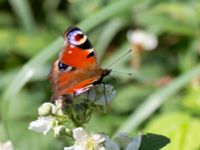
point(182, 129)
point(153, 142)
point(23, 11)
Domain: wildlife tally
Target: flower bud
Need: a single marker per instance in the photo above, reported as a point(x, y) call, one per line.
point(59, 107)
point(143, 39)
point(45, 109)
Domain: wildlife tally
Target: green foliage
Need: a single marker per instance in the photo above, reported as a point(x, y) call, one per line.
point(132, 93)
point(182, 129)
point(22, 43)
point(191, 101)
point(161, 97)
point(179, 18)
point(23, 11)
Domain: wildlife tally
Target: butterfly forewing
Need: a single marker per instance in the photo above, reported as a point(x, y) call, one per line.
point(76, 68)
point(78, 58)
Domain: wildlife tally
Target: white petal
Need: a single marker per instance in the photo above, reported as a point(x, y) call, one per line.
point(135, 143)
point(69, 148)
point(84, 141)
point(76, 147)
point(43, 124)
point(80, 135)
point(101, 148)
point(59, 130)
point(80, 147)
point(98, 138)
point(110, 145)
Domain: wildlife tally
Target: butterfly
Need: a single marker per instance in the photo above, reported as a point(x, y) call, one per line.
point(76, 69)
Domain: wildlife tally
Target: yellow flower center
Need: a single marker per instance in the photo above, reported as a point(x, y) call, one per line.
point(90, 144)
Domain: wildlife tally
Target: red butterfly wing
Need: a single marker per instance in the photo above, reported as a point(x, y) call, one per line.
point(76, 68)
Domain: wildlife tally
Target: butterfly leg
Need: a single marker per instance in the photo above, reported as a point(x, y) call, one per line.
point(88, 94)
point(104, 91)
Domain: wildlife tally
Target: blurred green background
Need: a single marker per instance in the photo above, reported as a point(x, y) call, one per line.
point(162, 96)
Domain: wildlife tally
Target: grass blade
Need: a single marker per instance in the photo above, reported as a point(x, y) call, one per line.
point(111, 29)
point(23, 10)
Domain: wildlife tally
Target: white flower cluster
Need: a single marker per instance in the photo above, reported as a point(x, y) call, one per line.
point(46, 119)
point(84, 141)
point(56, 117)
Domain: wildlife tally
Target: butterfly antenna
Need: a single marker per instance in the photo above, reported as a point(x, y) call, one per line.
point(119, 58)
point(124, 73)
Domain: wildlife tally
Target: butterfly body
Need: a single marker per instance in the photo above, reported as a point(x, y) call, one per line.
point(76, 70)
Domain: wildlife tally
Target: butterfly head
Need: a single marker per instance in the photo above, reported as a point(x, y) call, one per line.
point(75, 36)
point(106, 72)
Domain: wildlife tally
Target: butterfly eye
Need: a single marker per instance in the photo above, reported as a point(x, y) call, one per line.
point(76, 37)
point(64, 67)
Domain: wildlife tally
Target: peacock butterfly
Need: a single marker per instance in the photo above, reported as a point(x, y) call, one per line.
point(76, 69)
